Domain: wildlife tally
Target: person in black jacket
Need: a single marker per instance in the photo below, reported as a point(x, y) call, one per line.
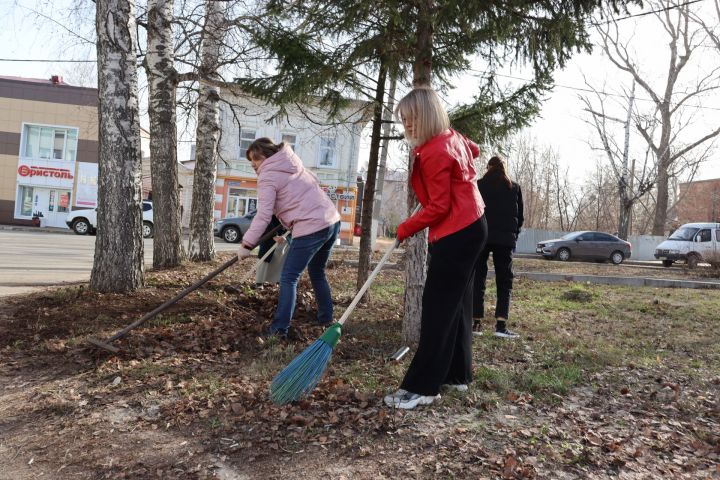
point(504, 213)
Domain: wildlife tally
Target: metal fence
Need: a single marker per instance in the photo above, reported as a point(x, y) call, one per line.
point(643, 246)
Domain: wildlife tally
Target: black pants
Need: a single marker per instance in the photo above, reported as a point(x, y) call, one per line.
point(444, 354)
point(502, 259)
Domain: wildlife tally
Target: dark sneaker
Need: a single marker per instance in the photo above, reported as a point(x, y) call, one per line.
point(409, 400)
point(295, 335)
point(477, 327)
point(268, 334)
point(505, 333)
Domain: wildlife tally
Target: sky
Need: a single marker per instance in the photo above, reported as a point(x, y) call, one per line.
point(560, 126)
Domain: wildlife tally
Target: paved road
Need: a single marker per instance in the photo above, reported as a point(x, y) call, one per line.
point(30, 260)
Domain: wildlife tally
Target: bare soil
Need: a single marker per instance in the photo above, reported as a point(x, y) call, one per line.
point(619, 384)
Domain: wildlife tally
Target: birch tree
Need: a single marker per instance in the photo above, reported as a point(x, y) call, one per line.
point(162, 82)
point(202, 242)
point(118, 263)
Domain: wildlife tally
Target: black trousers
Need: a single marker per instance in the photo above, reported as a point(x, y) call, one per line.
point(444, 354)
point(502, 259)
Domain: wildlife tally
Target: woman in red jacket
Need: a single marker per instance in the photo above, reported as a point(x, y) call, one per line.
point(443, 178)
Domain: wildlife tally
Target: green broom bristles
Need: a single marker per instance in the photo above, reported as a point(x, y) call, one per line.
point(301, 376)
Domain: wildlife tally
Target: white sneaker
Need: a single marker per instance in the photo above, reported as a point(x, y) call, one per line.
point(409, 400)
point(461, 387)
point(393, 397)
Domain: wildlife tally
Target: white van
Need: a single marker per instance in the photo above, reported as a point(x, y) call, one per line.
point(691, 243)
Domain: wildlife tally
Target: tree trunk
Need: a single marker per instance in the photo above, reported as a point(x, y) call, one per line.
point(167, 244)
point(416, 246)
point(387, 118)
point(202, 241)
point(118, 263)
point(624, 190)
point(663, 175)
point(661, 201)
point(370, 182)
point(422, 66)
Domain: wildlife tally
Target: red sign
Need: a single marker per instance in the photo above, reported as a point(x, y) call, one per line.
point(33, 171)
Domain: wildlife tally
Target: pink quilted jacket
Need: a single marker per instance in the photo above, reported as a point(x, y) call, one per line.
point(293, 194)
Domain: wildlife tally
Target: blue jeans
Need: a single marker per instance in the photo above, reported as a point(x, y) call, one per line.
point(311, 252)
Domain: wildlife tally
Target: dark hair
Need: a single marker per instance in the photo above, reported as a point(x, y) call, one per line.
point(265, 147)
point(495, 164)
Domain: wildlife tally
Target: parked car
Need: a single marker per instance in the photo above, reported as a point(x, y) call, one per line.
point(691, 243)
point(232, 229)
point(84, 221)
point(597, 246)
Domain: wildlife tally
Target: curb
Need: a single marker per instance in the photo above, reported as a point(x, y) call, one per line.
point(22, 228)
point(625, 281)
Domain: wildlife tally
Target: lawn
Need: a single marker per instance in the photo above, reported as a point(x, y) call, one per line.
point(604, 382)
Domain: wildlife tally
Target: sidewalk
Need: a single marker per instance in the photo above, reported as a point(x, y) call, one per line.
point(23, 228)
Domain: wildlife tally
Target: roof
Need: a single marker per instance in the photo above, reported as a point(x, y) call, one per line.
point(701, 225)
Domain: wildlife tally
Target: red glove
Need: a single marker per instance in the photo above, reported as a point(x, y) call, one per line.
point(402, 232)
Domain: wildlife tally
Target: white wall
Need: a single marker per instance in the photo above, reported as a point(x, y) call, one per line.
point(253, 114)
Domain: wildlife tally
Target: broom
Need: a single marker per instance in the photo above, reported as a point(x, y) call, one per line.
point(301, 376)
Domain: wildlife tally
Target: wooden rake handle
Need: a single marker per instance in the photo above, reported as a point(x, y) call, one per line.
point(372, 276)
point(192, 288)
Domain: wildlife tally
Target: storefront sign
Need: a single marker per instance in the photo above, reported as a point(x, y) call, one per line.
point(336, 193)
point(36, 172)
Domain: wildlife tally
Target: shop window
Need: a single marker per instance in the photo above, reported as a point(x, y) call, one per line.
point(26, 201)
point(289, 139)
point(240, 201)
point(63, 202)
point(247, 136)
point(50, 143)
point(327, 152)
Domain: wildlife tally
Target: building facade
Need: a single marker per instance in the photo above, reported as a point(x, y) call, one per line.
point(699, 201)
point(329, 150)
point(48, 150)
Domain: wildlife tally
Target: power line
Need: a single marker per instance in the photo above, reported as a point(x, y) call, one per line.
point(588, 90)
point(642, 14)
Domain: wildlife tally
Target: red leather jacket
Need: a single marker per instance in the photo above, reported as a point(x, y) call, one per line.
point(443, 178)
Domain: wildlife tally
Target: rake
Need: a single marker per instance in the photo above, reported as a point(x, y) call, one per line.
point(302, 375)
point(106, 345)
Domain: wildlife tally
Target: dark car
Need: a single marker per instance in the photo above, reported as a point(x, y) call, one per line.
point(586, 246)
point(232, 229)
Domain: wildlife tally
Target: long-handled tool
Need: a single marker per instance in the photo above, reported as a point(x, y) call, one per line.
point(106, 344)
point(301, 376)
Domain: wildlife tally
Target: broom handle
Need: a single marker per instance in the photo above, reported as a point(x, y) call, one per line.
point(372, 276)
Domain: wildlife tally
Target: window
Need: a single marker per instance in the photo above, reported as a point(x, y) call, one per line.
point(604, 237)
point(289, 139)
point(147, 206)
point(246, 138)
point(703, 236)
point(327, 152)
point(63, 202)
point(26, 201)
point(717, 235)
point(50, 143)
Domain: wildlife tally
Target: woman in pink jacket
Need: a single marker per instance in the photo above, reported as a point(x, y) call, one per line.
point(292, 193)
